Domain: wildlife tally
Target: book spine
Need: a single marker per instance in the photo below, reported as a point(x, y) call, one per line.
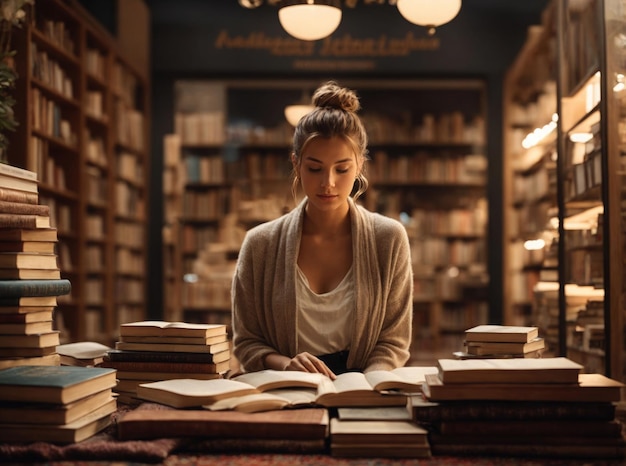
point(140, 366)
point(13, 195)
point(17, 172)
point(159, 356)
point(472, 411)
point(8, 207)
point(18, 288)
point(18, 220)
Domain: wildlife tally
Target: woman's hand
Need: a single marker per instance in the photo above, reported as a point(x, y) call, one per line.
point(306, 362)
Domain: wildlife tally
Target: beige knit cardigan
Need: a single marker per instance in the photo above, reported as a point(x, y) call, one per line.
point(264, 291)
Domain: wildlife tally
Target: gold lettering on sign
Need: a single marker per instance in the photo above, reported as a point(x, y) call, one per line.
point(258, 40)
point(344, 47)
point(348, 46)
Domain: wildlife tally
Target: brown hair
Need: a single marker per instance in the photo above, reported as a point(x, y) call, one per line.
point(334, 115)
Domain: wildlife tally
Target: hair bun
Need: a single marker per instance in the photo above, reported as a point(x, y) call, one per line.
point(333, 95)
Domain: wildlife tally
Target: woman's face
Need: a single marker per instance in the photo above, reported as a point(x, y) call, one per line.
point(327, 171)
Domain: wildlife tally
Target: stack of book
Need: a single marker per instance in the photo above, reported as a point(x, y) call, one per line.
point(387, 432)
point(519, 406)
point(502, 341)
point(30, 280)
point(150, 351)
point(56, 404)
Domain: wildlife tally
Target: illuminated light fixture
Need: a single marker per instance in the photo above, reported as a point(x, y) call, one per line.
point(580, 137)
point(309, 19)
point(294, 112)
point(539, 134)
point(429, 13)
point(534, 244)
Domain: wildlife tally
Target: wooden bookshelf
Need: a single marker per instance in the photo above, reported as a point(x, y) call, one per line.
point(592, 103)
point(427, 168)
point(530, 189)
point(83, 113)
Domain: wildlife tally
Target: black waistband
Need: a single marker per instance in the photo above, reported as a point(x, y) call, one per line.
point(336, 362)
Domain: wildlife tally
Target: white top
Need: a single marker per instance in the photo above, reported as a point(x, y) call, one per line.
point(324, 320)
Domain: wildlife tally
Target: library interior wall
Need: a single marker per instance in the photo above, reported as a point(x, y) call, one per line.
point(186, 43)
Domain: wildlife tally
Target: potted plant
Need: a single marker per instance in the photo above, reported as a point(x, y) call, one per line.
point(12, 14)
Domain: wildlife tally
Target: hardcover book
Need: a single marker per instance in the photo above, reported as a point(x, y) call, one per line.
point(174, 347)
point(482, 348)
point(513, 370)
point(15, 195)
point(30, 274)
point(170, 367)
point(18, 288)
point(510, 333)
point(26, 328)
point(300, 424)
point(502, 333)
point(45, 360)
point(54, 413)
point(24, 221)
point(42, 247)
point(171, 329)
point(36, 234)
point(426, 411)
point(26, 317)
point(41, 340)
point(590, 388)
point(53, 384)
point(73, 432)
point(11, 207)
point(26, 301)
point(165, 356)
point(28, 260)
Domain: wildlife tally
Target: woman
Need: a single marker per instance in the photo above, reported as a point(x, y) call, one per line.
point(328, 287)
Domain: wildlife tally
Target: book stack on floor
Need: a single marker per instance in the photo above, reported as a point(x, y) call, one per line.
point(387, 432)
point(520, 407)
point(30, 280)
point(150, 351)
point(502, 341)
point(56, 404)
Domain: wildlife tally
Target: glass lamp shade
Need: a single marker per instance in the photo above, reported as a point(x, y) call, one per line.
point(309, 20)
point(293, 113)
point(429, 13)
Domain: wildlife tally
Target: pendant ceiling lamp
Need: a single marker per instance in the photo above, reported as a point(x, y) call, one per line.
point(295, 111)
point(429, 13)
point(309, 19)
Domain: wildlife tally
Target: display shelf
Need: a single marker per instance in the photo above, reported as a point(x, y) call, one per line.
point(69, 92)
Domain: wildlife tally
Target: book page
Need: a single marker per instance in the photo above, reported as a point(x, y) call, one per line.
point(401, 378)
point(272, 379)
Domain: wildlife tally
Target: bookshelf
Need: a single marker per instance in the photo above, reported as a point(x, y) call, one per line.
point(234, 146)
point(86, 137)
point(590, 173)
point(530, 195)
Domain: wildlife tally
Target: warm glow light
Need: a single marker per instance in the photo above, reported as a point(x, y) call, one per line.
point(539, 134)
point(429, 13)
point(293, 113)
point(580, 137)
point(310, 19)
point(534, 244)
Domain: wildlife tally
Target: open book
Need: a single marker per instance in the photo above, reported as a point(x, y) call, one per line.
point(269, 389)
point(375, 388)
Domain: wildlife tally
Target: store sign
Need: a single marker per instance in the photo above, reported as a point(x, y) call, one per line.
point(332, 53)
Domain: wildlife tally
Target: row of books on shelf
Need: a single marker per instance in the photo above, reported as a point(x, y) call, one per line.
point(423, 167)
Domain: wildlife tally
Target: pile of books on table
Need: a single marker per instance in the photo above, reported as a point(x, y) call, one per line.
point(541, 407)
point(253, 406)
point(502, 341)
point(150, 351)
point(30, 280)
point(56, 404)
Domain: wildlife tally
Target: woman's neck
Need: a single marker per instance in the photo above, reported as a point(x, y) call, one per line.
point(326, 223)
